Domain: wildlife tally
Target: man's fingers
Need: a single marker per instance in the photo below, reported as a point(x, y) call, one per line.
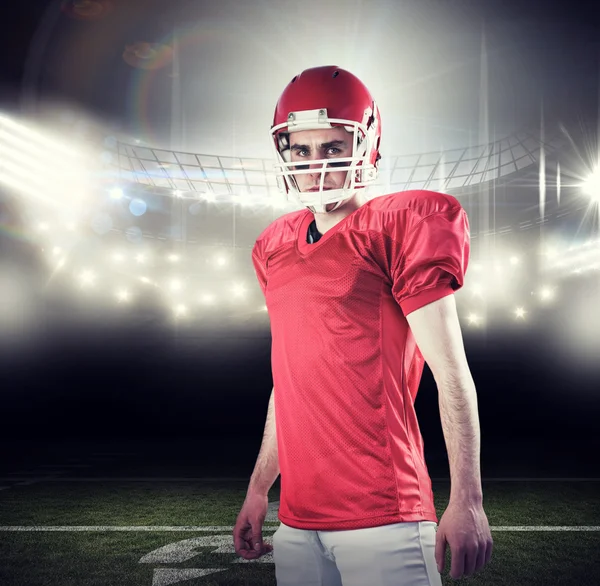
point(440, 551)
point(457, 569)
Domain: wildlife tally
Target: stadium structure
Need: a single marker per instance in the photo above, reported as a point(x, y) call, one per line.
point(174, 230)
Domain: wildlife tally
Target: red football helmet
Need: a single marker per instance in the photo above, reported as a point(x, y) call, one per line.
point(325, 97)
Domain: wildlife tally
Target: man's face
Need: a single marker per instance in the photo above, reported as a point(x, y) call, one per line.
point(331, 143)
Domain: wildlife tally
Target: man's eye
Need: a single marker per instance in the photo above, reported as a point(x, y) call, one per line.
point(336, 150)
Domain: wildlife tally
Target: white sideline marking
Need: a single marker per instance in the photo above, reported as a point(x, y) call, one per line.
point(187, 528)
point(236, 479)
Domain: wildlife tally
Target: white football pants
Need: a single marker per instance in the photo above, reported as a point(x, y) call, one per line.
point(400, 554)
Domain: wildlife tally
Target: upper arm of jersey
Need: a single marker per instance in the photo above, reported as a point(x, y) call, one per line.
point(421, 244)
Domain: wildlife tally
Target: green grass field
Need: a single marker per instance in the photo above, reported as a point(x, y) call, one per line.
point(98, 532)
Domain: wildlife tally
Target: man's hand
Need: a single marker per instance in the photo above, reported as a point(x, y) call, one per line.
point(466, 529)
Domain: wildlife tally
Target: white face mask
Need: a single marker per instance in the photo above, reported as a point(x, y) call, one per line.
point(360, 172)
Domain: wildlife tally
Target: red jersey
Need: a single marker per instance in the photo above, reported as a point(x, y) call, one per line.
point(346, 368)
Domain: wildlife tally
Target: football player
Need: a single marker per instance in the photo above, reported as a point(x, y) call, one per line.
point(360, 294)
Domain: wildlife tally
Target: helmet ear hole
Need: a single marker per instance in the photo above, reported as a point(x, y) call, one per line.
point(295, 78)
point(335, 74)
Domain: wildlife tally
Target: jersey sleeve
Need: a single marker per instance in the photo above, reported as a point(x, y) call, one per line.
point(260, 265)
point(432, 260)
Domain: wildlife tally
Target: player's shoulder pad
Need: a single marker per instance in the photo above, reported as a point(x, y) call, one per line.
point(417, 202)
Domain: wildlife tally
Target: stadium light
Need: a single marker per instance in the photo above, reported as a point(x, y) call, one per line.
point(122, 295)
point(591, 186)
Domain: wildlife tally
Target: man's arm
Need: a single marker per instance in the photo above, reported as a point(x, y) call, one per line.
point(266, 469)
point(438, 335)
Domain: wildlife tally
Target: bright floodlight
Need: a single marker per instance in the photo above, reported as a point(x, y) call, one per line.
point(180, 310)
point(476, 289)
point(87, 278)
point(520, 312)
point(116, 193)
point(473, 318)
point(207, 299)
point(591, 186)
point(239, 290)
point(122, 295)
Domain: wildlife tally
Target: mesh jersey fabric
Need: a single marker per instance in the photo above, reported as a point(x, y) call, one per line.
point(346, 368)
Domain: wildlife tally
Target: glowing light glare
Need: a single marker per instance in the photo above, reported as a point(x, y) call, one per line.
point(520, 313)
point(175, 285)
point(474, 319)
point(118, 257)
point(138, 207)
point(31, 158)
point(591, 186)
point(140, 258)
point(178, 193)
point(210, 197)
point(239, 290)
point(122, 295)
point(43, 226)
point(476, 289)
point(23, 133)
point(514, 260)
point(546, 293)
point(220, 261)
point(173, 257)
point(145, 280)
point(56, 250)
point(87, 278)
point(116, 193)
point(180, 310)
point(207, 299)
